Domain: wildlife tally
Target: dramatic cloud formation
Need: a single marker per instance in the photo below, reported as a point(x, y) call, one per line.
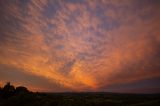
point(80, 45)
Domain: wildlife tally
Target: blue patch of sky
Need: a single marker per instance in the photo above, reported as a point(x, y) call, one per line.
point(99, 34)
point(50, 38)
point(51, 8)
point(76, 1)
point(23, 5)
point(48, 28)
point(110, 25)
point(58, 37)
point(11, 25)
point(72, 18)
point(59, 47)
point(67, 67)
point(107, 22)
point(140, 5)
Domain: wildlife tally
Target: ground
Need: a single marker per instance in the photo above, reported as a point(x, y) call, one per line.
point(81, 99)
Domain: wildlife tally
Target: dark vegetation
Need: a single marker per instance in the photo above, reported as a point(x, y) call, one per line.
point(21, 96)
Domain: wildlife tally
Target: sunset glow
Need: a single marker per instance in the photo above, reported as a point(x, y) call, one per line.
point(80, 45)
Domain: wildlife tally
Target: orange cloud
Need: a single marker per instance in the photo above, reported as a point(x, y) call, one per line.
point(89, 45)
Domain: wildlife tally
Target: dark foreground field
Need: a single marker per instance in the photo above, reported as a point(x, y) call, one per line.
point(21, 96)
point(81, 99)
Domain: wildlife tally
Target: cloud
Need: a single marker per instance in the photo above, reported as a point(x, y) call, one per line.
point(20, 77)
point(90, 44)
point(143, 86)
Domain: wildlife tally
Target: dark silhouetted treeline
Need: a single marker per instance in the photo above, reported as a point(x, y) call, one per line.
point(9, 90)
point(21, 96)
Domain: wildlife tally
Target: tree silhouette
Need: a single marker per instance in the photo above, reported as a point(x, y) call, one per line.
point(8, 90)
point(21, 89)
point(0, 91)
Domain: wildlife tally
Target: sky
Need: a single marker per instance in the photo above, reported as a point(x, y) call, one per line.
point(81, 45)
